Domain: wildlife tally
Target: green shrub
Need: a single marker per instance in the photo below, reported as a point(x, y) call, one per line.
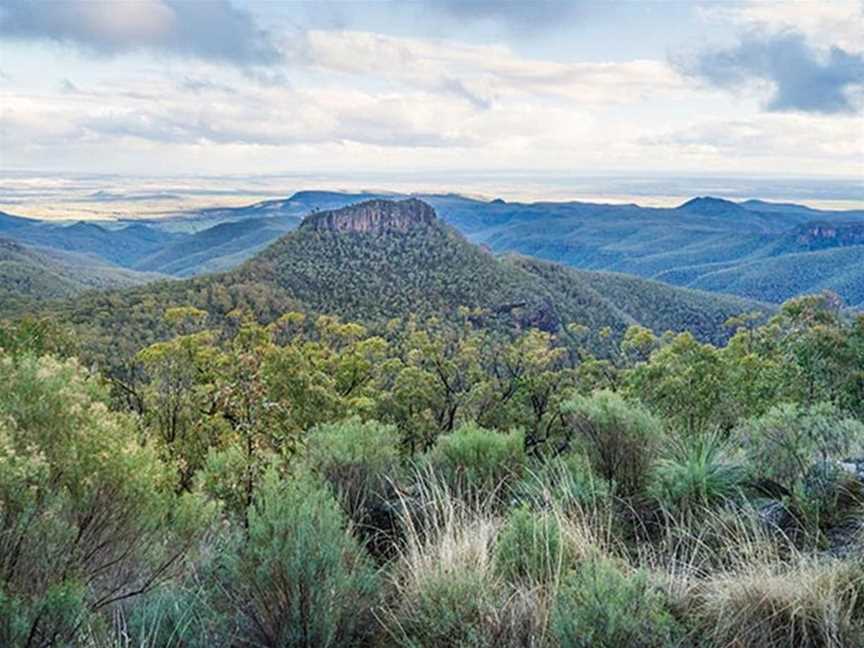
point(601, 606)
point(795, 449)
point(619, 437)
point(530, 547)
point(478, 460)
point(297, 577)
point(785, 443)
point(88, 517)
point(699, 474)
point(450, 610)
point(358, 459)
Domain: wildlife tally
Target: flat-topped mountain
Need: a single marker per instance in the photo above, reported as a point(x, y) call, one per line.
point(706, 243)
point(373, 216)
point(381, 260)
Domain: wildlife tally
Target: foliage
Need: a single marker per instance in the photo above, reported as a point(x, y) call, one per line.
point(786, 443)
point(566, 480)
point(530, 547)
point(797, 448)
point(620, 438)
point(601, 606)
point(479, 460)
point(681, 381)
point(298, 577)
point(358, 459)
point(698, 474)
point(88, 517)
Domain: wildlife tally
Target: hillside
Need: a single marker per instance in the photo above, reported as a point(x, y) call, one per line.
point(680, 246)
point(380, 260)
point(33, 274)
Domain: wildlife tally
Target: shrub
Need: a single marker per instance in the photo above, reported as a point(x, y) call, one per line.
point(619, 437)
point(795, 450)
point(697, 475)
point(786, 442)
point(358, 459)
point(88, 517)
point(449, 610)
point(297, 577)
point(478, 460)
point(530, 546)
point(601, 606)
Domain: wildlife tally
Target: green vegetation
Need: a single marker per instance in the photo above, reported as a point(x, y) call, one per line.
point(301, 480)
point(32, 274)
point(426, 270)
point(303, 484)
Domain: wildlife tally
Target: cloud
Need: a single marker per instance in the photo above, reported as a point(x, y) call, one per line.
point(521, 15)
point(802, 78)
point(825, 24)
point(481, 75)
point(212, 30)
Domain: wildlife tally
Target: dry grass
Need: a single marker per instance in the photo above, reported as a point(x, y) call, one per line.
point(732, 581)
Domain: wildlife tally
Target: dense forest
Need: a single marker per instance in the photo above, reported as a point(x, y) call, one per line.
point(311, 481)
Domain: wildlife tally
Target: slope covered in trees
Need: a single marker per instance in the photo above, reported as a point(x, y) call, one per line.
point(30, 275)
point(681, 246)
point(317, 484)
point(404, 262)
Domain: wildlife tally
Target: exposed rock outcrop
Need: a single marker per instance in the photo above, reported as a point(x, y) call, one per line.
point(373, 216)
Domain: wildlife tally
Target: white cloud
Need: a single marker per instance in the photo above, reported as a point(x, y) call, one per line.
point(826, 23)
point(485, 73)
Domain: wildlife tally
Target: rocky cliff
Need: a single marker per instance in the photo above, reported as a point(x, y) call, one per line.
point(373, 216)
point(818, 235)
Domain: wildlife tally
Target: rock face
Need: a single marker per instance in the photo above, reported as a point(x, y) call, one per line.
point(373, 216)
point(827, 235)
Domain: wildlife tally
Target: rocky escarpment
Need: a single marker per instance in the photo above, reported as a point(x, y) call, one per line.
point(372, 216)
point(818, 235)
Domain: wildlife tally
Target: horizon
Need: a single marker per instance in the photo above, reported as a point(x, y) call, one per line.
point(72, 197)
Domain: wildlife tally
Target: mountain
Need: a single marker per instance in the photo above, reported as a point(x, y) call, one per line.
point(685, 246)
point(117, 246)
point(840, 269)
point(217, 248)
point(379, 260)
point(33, 274)
point(8, 222)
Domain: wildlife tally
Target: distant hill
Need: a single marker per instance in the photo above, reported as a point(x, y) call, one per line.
point(33, 274)
point(383, 259)
point(685, 246)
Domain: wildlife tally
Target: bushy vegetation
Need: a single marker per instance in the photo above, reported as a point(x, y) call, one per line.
point(599, 605)
point(318, 483)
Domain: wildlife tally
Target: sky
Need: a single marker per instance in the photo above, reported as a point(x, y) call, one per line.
point(169, 87)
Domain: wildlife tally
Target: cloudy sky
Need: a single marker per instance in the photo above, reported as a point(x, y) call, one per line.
point(242, 87)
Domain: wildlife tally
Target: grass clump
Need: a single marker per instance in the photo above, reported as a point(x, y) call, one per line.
point(808, 604)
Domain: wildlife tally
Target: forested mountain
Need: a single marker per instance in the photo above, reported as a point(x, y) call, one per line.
point(380, 260)
point(34, 274)
point(706, 243)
